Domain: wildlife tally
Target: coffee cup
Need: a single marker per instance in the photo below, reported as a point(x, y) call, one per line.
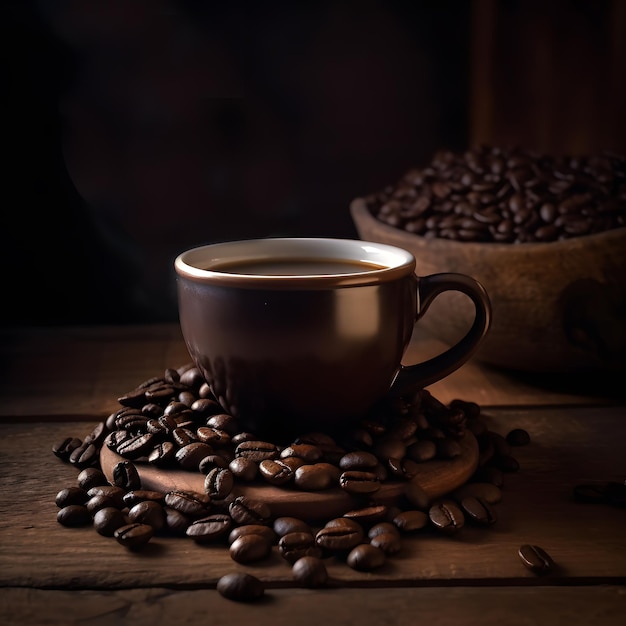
point(297, 334)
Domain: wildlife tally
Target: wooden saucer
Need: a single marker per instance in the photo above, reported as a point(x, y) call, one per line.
point(437, 478)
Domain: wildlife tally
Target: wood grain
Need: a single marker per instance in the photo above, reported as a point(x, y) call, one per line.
point(513, 606)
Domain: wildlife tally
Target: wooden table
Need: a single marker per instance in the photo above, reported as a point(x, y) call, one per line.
point(61, 382)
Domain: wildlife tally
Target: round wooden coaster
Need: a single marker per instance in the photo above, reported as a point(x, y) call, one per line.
point(437, 478)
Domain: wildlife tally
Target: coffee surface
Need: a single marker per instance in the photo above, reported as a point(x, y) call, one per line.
point(294, 267)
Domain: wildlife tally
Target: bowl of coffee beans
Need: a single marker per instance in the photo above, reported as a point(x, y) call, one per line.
point(545, 235)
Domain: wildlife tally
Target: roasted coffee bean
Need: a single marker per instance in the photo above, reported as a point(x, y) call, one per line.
point(253, 529)
point(126, 475)
point(134, 536)
point(339, 535)
point(192, 378)
point(276, 472)
point(189, 456)
point(97, 435)
point(305, 451)
point(315, 477)
point(250, 548)
point(358, 482)
point(64, 448)
point(210, 528)
point(162, 454)
point(213, 436)
point(240, 587)
point(85, 455)
point(366, 557)
point(211, 462)
point(188, 502)
point(91, 477)
point(148, 512)
point(135, 447)
point(518, 437)
point(389, 447)
point(511, 196)
point(295, 545)
point(405, 469)
point(410, 521)
point(99, 502)
point(71, 495)
point(446, 516)
point(245, 510)
point(141, 495)
point(74, 515)
point(285, 524)
point(218, 483)
point(223, 422)
point(112, 491)
point(389, 543)
point(107, 520)
point(184, 436)
point(383, 528)
point(478, 511)
point(368, 515)
point(448, 448)
point(310, 572)
point(176, 522)
point(536, 559)
point(256, 451)
point(244, 469)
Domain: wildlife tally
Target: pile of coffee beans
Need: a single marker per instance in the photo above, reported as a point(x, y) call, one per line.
point(174, 421)
point(490, 194)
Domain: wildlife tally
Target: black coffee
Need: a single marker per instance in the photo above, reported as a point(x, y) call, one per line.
point(295, 267)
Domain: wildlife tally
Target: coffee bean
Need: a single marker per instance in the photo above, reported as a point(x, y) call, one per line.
point(253, 529)
point(71, 495)
point(359, 482)
point(276, 472)
point(141, 495)
point(422, 451)
point(510, 196)
point(148, 512)
point(245, 510)
point(410, 521)
point(285, 524)
point(134, 536)
point(126, 475)
point(310, 572)
point(91, 477)
point(74, 515)
point(64, 448)
point(518, 437)
point(256, 451)
point(366, 557)
point(241, 587)
point(210, 528)
point(112, 491)
point(485, 491)
point(176, 522)
point(162, 454)
point(383, 528)
point(294, 545)
point(107, 520)
point(85, 455)
point(244, 469)
point(339, 535)
point(250, 548)
point(96, 503)
point(389, 543)
point(136, 446)
point(536, 559)
point(188, 502)
point(218, 483)
point(478, 511)
point(315, 477)
point(358, 460)
point(446, 516)
point(307, 452)
point(368, 515)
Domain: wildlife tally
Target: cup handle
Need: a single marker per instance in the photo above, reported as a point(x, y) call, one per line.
point(420, 375)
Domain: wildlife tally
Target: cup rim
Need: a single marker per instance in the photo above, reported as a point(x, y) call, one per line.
point(194, 263)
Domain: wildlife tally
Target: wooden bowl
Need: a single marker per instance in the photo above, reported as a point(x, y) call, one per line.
point(557, 307)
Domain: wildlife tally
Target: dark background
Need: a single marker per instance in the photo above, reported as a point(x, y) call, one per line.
point(132, 130)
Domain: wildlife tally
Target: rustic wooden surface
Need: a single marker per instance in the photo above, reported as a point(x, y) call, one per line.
point(58, 383)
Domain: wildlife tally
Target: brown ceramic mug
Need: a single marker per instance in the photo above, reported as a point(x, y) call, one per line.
point(294, 334)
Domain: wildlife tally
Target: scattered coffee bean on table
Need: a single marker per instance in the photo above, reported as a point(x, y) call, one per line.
point(175, 422)
point(536, 559)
